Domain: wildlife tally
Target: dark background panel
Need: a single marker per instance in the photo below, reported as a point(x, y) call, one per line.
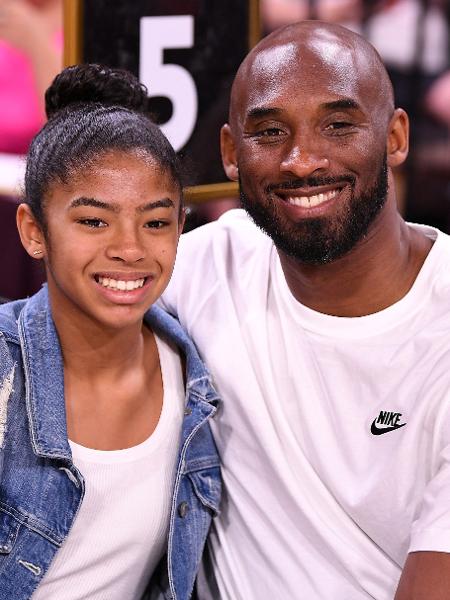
point(111, 36)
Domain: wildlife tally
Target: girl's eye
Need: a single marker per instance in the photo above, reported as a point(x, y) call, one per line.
point(93, 223)
point(156, 224)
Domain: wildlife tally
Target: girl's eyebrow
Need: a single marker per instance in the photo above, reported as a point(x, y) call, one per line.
point(163, 203)
point(113, 207)
point(83, 201)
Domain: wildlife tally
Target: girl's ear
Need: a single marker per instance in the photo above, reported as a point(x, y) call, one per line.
point(181, 221)
point(398, 138)
point(30, 232)
point(228, 150)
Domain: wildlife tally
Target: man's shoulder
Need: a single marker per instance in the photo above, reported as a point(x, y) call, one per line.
point(232, 243)
point(234, 228)
point(433, 234)
point(436, 265)
point(217, 257)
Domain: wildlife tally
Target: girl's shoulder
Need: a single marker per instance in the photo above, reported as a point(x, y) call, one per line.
point(9, 315)
point(10, 354)
point(166, 324)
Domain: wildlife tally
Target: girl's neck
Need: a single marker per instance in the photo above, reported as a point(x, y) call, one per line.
point(93, 350)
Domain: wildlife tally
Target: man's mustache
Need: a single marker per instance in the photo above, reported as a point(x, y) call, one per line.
point(308, 182)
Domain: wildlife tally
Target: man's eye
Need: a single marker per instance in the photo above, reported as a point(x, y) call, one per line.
point(339, 125)
point(270, 132)
point(93, 223)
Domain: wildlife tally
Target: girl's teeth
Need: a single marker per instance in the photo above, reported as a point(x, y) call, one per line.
point(119, 284)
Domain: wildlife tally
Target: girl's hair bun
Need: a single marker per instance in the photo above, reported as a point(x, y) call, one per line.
point(92, 83)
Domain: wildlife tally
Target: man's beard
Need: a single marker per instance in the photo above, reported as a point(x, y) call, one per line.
point(323, 239)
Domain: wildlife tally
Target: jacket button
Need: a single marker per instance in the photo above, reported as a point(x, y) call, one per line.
point(187, 411)
point(183, 509)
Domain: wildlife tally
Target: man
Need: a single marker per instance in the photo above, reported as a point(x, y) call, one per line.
point(327, 338)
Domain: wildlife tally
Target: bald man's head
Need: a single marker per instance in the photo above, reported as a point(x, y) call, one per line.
point(312, 135)
point(313, 46)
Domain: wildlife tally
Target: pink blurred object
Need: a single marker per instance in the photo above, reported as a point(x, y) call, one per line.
point(438, 99)
point(20, 114)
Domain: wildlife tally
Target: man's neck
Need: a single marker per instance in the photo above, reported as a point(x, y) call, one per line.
point(378, 272)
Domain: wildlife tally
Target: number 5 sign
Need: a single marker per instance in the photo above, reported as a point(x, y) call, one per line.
point(170, 80)
point(186, 52)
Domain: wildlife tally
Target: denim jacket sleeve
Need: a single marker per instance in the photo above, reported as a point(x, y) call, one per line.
point(7, 371)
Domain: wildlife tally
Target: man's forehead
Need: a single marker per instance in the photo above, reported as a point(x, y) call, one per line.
point(321, 47)
point(319, 59)
point(320, 67)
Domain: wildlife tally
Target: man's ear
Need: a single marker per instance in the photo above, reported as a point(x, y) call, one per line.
point(398, 138)
point(30, 232)
point(228, 149)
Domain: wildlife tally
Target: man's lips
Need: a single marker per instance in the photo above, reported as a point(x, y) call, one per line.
point(310, 201)
point(311, 192)
point(308, 197)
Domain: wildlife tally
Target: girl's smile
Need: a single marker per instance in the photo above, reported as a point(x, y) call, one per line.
point(123, 288)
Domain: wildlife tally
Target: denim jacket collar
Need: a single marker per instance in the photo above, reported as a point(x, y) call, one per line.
point(44, 372)
point(198, 378)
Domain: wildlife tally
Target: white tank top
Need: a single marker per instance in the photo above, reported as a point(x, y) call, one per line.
point(120, 532)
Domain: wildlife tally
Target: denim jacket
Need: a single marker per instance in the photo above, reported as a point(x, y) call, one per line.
point(41, 490)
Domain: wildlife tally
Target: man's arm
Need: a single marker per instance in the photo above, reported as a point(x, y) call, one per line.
point(426, 576)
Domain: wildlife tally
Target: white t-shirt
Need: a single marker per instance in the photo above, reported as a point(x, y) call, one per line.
point(120, 532)
point(317, 506)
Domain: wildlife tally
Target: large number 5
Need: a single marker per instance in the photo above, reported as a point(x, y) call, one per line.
point(171, 81)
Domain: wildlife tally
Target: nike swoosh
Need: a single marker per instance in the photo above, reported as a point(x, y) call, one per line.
point(379, 431)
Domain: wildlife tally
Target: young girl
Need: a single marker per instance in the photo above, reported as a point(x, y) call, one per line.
point(108, 471)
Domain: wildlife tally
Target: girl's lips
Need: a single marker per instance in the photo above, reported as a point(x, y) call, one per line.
point(121, 284)
point(126, 290)
point(121, 276)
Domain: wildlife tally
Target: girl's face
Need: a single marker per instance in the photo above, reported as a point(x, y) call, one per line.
point(112, 234)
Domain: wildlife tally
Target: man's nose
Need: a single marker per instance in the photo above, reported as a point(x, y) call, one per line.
point(302, 161)
point(126, 246)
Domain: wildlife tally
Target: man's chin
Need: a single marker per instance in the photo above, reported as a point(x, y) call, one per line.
point(309, 242)
point(312, 244)
point(321, 240)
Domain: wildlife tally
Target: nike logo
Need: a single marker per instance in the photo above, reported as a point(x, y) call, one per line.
point(386, 422)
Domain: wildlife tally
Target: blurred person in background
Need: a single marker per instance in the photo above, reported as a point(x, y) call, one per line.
point(31, 36)
point(438, 99)
point(276, 13)
point(30, 57)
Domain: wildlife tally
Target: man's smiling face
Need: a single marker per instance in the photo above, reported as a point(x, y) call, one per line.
point(309, 122)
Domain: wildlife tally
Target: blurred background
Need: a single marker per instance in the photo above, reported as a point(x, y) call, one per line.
point(412, 36)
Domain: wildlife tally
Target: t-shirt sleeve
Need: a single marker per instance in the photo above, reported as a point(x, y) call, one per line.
point(431, 530)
